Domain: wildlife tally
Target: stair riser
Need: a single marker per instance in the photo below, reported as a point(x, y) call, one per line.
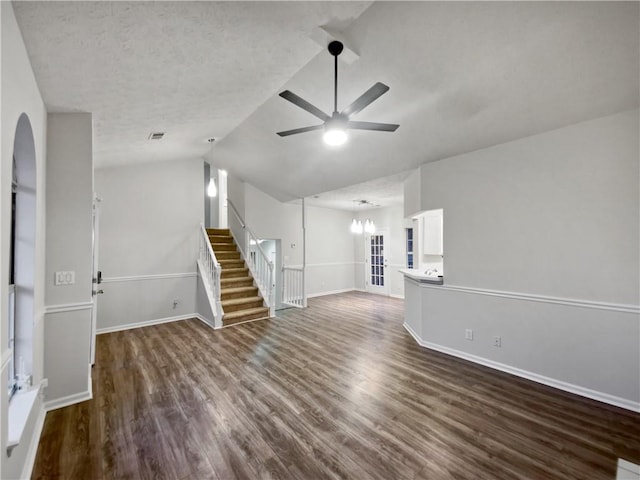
point(218, 231)
point(227, 255)
point(231, 263)
point(245, 318)
point(247, 294)
point(236, 282)
point(220, 239)
point(233, 273)
point(242, 306)
point(223, 247)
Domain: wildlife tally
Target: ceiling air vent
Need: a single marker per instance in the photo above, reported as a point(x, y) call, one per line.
point(156, 136)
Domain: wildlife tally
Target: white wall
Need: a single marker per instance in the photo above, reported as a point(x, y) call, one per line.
point(543, 232)
point(269, 218)
point(150, 217)
point(69, 248)
point(330, 253)
point(20, 94)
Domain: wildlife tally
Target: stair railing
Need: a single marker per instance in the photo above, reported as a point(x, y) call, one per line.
point(210, 271)
point(293, 287)
point(259, 264)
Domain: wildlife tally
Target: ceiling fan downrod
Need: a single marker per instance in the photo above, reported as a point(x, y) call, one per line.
point(335, 49)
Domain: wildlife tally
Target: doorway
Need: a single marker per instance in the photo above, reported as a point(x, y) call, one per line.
point(376, 263)
point(272, 249)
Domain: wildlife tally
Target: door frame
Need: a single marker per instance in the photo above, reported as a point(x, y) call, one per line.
point(95, 285)
point(378, 290)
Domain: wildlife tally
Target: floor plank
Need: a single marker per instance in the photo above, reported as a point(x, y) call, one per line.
point(335, 391)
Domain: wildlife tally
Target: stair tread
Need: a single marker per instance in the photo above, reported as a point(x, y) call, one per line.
point(236, 269)
point(240, 301)
point(240, 313)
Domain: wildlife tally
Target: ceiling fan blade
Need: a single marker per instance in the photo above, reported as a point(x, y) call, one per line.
point(300, 102)
point(380, 127)
point(365, 99)
point(286, 133)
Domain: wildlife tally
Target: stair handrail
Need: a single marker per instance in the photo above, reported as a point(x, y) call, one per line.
point(211, 273)
point(262, 278)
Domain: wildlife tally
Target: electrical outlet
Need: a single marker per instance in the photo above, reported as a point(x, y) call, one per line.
point(468, 334)
point(65, 278)
point(497, 341)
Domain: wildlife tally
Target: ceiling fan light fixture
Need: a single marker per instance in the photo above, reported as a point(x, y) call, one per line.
point(335, 131)
point(335, 137)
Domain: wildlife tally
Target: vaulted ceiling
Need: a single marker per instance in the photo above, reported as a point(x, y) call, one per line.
point(462, 76)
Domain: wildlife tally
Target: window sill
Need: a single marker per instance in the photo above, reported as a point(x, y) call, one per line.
point(20, 407)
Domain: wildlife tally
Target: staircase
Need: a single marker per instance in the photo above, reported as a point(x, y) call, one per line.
point(240, 298)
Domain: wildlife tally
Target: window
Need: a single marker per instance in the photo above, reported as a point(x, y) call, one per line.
point(11, 369)
point(409, 247)
point(377, 260)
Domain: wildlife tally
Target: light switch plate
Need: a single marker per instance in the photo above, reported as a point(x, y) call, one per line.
point(65, 278)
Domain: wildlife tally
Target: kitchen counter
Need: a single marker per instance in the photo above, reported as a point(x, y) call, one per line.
point(421, 277)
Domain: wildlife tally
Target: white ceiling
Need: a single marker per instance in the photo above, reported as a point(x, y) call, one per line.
point(463, 76)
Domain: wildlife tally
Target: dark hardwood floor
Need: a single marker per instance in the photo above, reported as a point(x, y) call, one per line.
point(339, 390)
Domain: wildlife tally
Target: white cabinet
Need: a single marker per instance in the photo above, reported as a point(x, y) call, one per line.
point(432, 233)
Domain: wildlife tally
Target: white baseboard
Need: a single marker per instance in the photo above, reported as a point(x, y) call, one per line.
point(551, 382)
point(146, 323)
point(30, 458)
point(401, 297)
point(68, 400)
point(205, 321)
point(329, 292)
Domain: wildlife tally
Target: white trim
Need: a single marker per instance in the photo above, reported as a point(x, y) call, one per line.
point(146, 323)
point(205, 321)
point(627, 470)
point(551, 382)
point(328, 264)
point(616, 307)
point(135, 278)
point(395, 295)
point(329, 292)
point(68, 400)
point(68, 307)
point(30, 457)
point(6, 357)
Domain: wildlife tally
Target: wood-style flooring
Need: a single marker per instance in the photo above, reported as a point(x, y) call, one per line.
point(336, 391)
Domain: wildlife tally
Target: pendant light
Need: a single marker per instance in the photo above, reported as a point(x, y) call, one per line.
point(369, 226)
point(212, 191)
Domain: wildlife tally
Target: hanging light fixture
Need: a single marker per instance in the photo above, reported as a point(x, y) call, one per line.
point(369, 226)
point(356, 226)
point(212, 191)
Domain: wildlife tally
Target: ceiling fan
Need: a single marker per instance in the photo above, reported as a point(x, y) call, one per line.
point(335, 126)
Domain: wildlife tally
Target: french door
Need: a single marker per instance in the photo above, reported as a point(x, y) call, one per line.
point(376, 264)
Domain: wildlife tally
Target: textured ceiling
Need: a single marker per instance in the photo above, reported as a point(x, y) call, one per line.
point(380, 192)
point(191, 69)
point(463, 76)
